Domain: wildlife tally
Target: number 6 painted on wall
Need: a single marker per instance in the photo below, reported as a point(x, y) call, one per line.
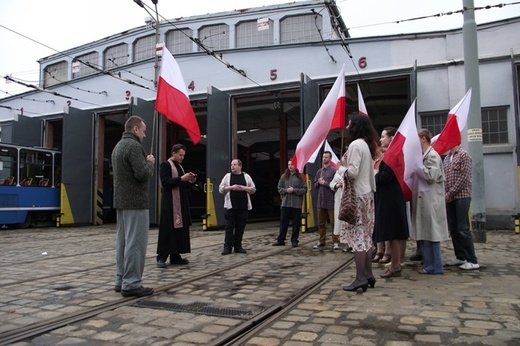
point(362, 62)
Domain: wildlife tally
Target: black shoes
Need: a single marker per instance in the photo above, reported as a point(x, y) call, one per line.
point(175, 260)
point(179, 260)
point(416, 257)
point(240, 249)
point(137, 292)
point(294, 244)
point(117, 288)
point(354, 287)
point(371, 282)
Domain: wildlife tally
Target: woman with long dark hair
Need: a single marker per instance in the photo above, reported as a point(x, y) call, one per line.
point(362, 144)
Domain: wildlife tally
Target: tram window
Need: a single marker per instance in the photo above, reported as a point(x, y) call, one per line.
point(35, 166)
point(8, 166)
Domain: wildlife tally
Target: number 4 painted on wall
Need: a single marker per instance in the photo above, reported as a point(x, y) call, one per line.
point(191, 86)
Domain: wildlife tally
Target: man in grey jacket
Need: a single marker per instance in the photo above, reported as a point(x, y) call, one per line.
point(132, 172)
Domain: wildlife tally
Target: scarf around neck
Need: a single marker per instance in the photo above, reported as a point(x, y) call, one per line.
point(176, 197)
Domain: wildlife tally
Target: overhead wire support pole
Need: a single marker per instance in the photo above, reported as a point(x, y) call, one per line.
point(472, 80)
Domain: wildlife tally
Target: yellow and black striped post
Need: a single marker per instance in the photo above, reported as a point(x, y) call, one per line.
point(517, 223)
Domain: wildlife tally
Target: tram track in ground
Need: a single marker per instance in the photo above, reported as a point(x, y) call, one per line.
point(247, 330)
point(30, 331)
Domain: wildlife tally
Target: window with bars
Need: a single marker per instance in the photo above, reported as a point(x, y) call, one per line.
point(56, 73)
point(82, 69)
point(178, 41)
point(248, 35)
point(434, 121)
point(215, 37)
point(116, 56)
point(144, 48)
point(494, 125)
point(302, 28)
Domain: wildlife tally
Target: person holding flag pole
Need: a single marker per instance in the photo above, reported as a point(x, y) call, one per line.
point(330, 115)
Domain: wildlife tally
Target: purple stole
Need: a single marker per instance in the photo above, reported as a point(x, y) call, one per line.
point(176, 197)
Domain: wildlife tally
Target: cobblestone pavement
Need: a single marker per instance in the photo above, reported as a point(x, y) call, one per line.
point(49, 273)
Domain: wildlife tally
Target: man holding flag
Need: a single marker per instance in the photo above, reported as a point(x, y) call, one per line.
point(325, 202)
point(331, 115)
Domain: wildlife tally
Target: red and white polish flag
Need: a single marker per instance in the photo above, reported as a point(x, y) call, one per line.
point(450, 135)
point(332, 108)
point(404, 155)
point(362, 109)
point(172, 97)
point(334, 159)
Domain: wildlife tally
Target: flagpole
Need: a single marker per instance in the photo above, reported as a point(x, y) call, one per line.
point(156, 71)
point(156, 65)
point(342, 143)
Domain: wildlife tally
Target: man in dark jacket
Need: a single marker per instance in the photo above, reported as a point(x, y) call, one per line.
point(132, 172)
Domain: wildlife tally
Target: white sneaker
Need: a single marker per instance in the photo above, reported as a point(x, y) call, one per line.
point(469, 266)
point(455, 262)
point(336, 247)
point(317, 246)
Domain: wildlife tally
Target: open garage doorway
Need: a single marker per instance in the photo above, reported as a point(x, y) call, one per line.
point(267, 130)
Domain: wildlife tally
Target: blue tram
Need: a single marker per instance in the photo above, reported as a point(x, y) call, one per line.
point(29, 185)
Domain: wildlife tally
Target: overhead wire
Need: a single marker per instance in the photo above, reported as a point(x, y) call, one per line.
point(21, 110)
point(437, 15)
point(87, 63)
point(77, 88)
point(27, 99)
point(197, 42)
point(316, 14)
point(32, 86)
point(113, 60)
